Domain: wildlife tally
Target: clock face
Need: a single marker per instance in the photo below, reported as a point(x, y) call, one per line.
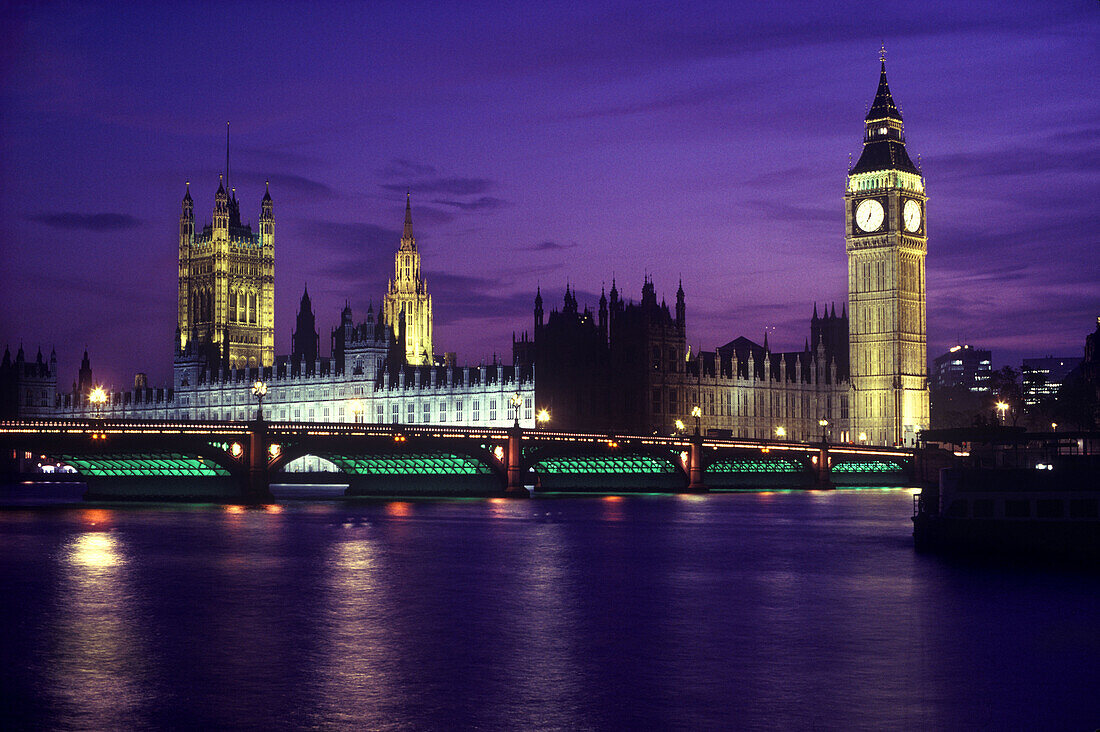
point(869, 215)
point(911, 215)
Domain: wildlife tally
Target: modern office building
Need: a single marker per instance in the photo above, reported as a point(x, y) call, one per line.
point(962, 366)
point(1042, 377)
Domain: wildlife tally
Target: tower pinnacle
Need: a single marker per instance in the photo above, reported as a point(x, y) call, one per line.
point(407, 232)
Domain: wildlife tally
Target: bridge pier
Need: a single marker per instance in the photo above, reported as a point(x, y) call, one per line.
point(695, 466)
point(257, 488)
point(822, 468)
point(513, 464)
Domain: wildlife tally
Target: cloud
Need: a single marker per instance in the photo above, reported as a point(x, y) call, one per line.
point(550, 246)
point(352, 238)
point(779, 210)
point(677, 100)
point(454, 185)
point(87, 222)
point(484, 202)
point(401, 167)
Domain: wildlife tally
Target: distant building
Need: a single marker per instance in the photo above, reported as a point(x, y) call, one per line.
point(1042, 377)
point(962, 366)
point(27, 388)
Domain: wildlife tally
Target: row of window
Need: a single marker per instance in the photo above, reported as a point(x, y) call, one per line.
point(412, 415)
point(732, 403)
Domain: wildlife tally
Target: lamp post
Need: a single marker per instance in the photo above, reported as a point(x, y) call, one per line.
point(780, 432)
point(862, 437)
point(823, 423)
point(680, 426)
point(1002, 407)
point(98, 397)
point(516, 401)
point(697, 412)
point(259, 390)
point(357, 410)
point(1053, 426)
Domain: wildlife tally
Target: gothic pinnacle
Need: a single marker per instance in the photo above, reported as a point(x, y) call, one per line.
point(408, 230)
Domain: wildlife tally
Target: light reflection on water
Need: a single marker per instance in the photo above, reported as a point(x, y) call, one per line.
point(96, 661)
point(748, 610)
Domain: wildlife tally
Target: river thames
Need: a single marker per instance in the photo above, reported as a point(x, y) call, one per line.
point(767, 610)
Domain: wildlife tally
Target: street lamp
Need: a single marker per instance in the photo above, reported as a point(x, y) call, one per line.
point(1053, 426)
point(516, 401)
point(357, 410)
point(697, 412)
point(823, 423)
point(259, 390)
point(781, 432)
point(680, 427)
point(863, 437)
point(1002, 407)
point(98, 397)
point(543, 417)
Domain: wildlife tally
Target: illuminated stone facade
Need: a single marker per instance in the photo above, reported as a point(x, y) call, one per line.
point(227, 283)
point(886, 240)
point(407, 307)
point(368, 378)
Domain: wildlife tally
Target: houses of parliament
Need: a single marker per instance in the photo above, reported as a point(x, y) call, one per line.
point(860, 376)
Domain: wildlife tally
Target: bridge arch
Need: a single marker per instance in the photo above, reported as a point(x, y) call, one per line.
point(388, 465)
point(606, 465)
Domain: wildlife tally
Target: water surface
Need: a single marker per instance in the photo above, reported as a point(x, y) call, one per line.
point(755, 610)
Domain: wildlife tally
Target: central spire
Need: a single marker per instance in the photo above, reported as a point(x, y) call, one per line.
point(407, 233)
point(883, 107)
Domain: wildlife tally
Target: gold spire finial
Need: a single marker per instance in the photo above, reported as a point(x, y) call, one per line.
point(882, 53)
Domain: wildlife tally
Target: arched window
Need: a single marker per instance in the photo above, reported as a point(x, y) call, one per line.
point(233, 305)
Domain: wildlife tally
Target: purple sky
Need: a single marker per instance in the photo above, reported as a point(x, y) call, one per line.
point(561, 141)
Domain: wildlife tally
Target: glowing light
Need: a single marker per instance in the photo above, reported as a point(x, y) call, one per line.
point(97, 550)
point(543, 416)
point(273, 508)
point(498, 453)
point(233, 509)
point(98, 396)
point(235, 449)
point(863, 437)
point(399, 508)
point(823, 422)
point(274, 451)
point(680, 425)
point(780, 432)
point(259, 389)
point(696, 412)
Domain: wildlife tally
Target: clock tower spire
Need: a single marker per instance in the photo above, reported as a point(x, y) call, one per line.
point(886, 242)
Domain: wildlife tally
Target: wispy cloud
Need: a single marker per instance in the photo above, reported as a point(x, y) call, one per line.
point(402, 167)
point(87, 222)
point(478, 204)
point(549, 245)
point(454, 185)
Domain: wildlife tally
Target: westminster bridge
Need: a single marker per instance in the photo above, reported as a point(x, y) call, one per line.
point(238, 461)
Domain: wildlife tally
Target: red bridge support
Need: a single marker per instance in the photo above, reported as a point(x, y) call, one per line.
point(513, 464)
point(256, 489)
point(822, 471)
point(695, 466)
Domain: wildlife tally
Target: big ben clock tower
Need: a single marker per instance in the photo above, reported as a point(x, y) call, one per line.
point(886, 241)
